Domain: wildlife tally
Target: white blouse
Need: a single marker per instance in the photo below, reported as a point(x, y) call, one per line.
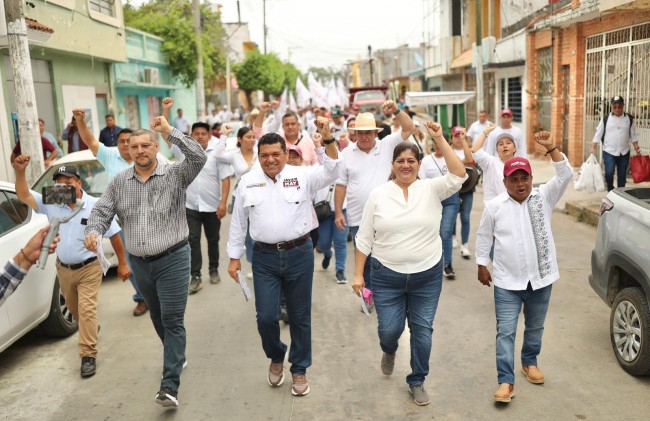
point(405, 235)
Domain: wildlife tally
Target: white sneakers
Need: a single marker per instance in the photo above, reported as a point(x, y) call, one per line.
point(464, 251)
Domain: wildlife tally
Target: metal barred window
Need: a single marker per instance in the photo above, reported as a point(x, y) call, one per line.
point(511, 96)
point(618, 63)
point(105, 7)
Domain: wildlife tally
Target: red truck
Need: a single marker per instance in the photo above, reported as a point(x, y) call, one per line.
point(368, 98)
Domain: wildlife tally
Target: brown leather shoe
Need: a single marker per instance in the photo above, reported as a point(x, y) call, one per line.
point(140, 309)
point(532, 374)
point(504, 393)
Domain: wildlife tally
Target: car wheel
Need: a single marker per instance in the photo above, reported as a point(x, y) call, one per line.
point(60, 323)
point(630, 331)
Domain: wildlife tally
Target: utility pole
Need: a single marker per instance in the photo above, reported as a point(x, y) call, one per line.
point(30, 137)
point(200, 84)
point(264, 13)
point(479, 59)
point(370, 63)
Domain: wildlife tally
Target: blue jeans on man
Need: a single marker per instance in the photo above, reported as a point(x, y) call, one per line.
point(507, 304)
point(366, 268)
point(292, 272)
point(620, 164)
point(414, 297)
point(450, 208)
point(137, 297)
point(466, 202)
point(329, 234)
point(163, 283)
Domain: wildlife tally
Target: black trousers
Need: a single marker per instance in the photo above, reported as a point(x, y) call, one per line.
point(211, 225)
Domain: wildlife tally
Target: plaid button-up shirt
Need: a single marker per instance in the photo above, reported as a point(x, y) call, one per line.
point(151, 213)
point(10, 277)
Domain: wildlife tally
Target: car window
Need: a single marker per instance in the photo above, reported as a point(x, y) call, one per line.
point(13, 212)
point(94, 179)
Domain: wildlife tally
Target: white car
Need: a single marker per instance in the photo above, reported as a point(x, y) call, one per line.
point(37, 300)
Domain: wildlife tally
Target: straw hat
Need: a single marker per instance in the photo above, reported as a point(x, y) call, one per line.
point(365, 122)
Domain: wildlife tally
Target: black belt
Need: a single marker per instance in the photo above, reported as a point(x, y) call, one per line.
point(166, 252)
point(78, 265)
point(285, 245)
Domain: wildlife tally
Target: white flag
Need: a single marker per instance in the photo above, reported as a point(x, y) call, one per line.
point(292, 103)
point(344, 98)
point(302, 94)
point(283, 101)
point(317, 91)
point(332, 95)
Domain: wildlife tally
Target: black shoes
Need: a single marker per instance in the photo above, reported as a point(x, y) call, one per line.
point(449, 272)
point(167, 397)
point(326, 261)
point(88, 366)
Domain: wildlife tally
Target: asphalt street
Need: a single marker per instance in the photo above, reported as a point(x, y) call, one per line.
point(226, 376)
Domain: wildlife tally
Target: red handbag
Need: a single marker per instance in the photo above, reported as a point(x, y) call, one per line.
point(640, 166)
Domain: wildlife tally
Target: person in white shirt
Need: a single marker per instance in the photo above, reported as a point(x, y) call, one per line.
point(366, 165)
point(507, 127)
point(182, 123)
point(276, 200)
point(205, 205)
point(225, 115)
point(338, 126)
point(616, 131)
point(492, 166)
point(400, 230)
point(479, 125)
point(525, 266)
point(213, 118)
point(434, 166)
point(461, 148)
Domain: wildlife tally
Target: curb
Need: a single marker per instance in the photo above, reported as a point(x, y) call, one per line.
point(587, 212)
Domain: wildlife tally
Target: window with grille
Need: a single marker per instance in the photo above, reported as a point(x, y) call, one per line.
point(105, 7)
point(511, 96)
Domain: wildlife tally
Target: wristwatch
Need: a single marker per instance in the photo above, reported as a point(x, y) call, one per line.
point(329, 141)
point(397, 111)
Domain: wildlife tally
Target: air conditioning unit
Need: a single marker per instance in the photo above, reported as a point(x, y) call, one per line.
point(151, 75)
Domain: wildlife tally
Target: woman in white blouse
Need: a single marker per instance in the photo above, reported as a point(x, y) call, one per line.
point(491, 165)
point(400, 227)
point(242, 159)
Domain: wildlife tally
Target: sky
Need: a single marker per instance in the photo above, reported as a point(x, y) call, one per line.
point(327, 33)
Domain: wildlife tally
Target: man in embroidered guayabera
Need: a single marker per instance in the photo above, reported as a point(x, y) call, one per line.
point(524, 267)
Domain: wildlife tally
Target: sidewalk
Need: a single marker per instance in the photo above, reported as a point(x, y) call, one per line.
point(584, 206)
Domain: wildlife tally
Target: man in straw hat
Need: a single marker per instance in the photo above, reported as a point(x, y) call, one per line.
point(366, 164)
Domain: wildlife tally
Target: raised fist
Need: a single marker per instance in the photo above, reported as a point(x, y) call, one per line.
point(389, 107)
point(275, 105)
point(545, 139)
point(318, 139)
point(79, 115)
point(435, 130)
point(21, 162)
point(160, 125)
point(490, 127)
point(227, 129)
point(167, 103)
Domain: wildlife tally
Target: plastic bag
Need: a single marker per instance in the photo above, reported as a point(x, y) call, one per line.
point(640, 166)
point(591, 177)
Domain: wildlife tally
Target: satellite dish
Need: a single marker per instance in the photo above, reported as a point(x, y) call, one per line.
point(418, 59)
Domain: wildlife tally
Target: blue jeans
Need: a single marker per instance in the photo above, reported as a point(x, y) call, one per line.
point(137, 297)
point(292, 272)
point(366, 268)
point(618, 163)
point(330, 233)
point(466, 202)
point(163, 283)
point(413, 296)
point(507, 305)
point(450, 208)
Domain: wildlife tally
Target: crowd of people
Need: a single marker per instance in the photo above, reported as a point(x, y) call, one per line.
point(305, 181)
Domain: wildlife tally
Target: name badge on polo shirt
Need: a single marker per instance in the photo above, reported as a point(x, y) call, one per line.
point(291, 182)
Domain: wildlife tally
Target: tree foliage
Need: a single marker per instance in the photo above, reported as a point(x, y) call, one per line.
point(172, 21)
point(291, 73)
point(325, 74)
point(263, 72)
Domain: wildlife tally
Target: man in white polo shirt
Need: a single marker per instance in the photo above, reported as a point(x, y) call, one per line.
point(507, 127)
point(366, 164)
point(478, 126)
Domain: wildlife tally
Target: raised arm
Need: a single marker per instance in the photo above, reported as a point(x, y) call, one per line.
point(328, 140)
point(22, 187)
point(454, 164)
point(195, 157)
point(390, 108)
point(480, 140)
point(167, 105)
point(84, 132)
point(466, 150)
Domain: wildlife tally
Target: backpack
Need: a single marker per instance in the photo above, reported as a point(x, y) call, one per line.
point(631, 117)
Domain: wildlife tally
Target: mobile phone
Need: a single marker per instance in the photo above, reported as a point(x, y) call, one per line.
point(59, 194)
